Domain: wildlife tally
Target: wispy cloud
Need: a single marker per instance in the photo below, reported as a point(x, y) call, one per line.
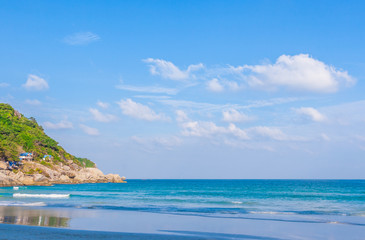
point(208, 129)
point(168, 70)
point(148, 89)
point(81, 38)
point(59, 125)
point(150, 144)
point(214, 85)
point(220, 85)
point(35, 83)
point(211, 107)
point(102, 117)
point(181, 116)
point(3, 84)
point(268, 132)
point(34, 102)
point(232, 115)
point(102, 104)
point(89, 130)
point(311, 114)
point(139, 111)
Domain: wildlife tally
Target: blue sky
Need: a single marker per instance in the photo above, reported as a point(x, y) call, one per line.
point(193, 89)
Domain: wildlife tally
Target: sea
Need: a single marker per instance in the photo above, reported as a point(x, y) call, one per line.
point(330, 208)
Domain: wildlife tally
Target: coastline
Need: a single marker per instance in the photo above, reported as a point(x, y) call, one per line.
point(35, 174)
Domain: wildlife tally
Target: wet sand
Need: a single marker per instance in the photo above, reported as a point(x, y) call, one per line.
point(66, 223)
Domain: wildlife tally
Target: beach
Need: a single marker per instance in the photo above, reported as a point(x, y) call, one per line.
point(186, 209)
point(106, 224)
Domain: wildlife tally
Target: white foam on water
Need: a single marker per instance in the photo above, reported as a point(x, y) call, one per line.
point(236, 202)
point(25, 195)
point(33, 204)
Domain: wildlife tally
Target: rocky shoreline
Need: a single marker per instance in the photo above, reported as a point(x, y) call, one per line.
point(34, 173)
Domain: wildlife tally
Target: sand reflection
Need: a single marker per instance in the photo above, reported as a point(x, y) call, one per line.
point(33, 217)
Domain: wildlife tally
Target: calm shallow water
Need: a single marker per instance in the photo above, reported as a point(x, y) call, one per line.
point(328, 207)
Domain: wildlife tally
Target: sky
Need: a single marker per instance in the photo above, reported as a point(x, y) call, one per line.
point(193, 89)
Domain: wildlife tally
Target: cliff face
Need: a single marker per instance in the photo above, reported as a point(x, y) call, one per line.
point(19, 134)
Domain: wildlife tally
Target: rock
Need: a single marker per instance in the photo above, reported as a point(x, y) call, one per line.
point(7, 181)
point(3, 165)
point(70, 174)
point(66, 168)
point(90, 174)
point(75, 166)
point(28, 180)
point(57, 174)
point(114, 178)
point(64, 179)
point(39, 178)
point(19, 176)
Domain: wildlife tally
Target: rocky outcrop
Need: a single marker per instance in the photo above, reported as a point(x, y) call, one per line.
point(33, 173)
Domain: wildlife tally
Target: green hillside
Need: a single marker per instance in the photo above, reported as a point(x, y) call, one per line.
point(20, 134)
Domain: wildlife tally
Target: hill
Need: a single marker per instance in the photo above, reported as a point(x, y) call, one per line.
point(19, 134)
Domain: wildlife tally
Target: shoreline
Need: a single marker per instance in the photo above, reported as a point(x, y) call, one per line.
point(73, 223)
point(15, 232)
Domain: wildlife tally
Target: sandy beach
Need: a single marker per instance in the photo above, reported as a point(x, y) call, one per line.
point(106, 224)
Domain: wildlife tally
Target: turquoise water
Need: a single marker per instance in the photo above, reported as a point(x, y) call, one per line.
point(210, 198)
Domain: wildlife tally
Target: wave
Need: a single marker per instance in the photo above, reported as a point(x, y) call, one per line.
point(25, 195)
point(23, 204)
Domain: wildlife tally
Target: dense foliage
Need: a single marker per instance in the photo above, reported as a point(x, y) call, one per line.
point(20, 134)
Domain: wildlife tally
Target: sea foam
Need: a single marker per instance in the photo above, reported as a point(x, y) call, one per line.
point(33, 204)
point(25, 195)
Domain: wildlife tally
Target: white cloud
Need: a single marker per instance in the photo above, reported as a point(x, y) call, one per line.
point(81, 38)
point(100, 117)
point(33, 102)
point(268, 132)
point(232, 115)
point(237, 132)
point(298, 72)
point(207, 129)
point(148, 89)
point(89, 130)
point(60, 125)
point(233, 86)
point(3, 84)
point(201, 129)
point(139, 111)
point(35, 83)
point(181, 116)
point(168, 70)
point(214, 85)
point(103, 104)
point(311, 114)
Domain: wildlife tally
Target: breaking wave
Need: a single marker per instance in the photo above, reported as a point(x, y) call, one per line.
point(25, 195)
